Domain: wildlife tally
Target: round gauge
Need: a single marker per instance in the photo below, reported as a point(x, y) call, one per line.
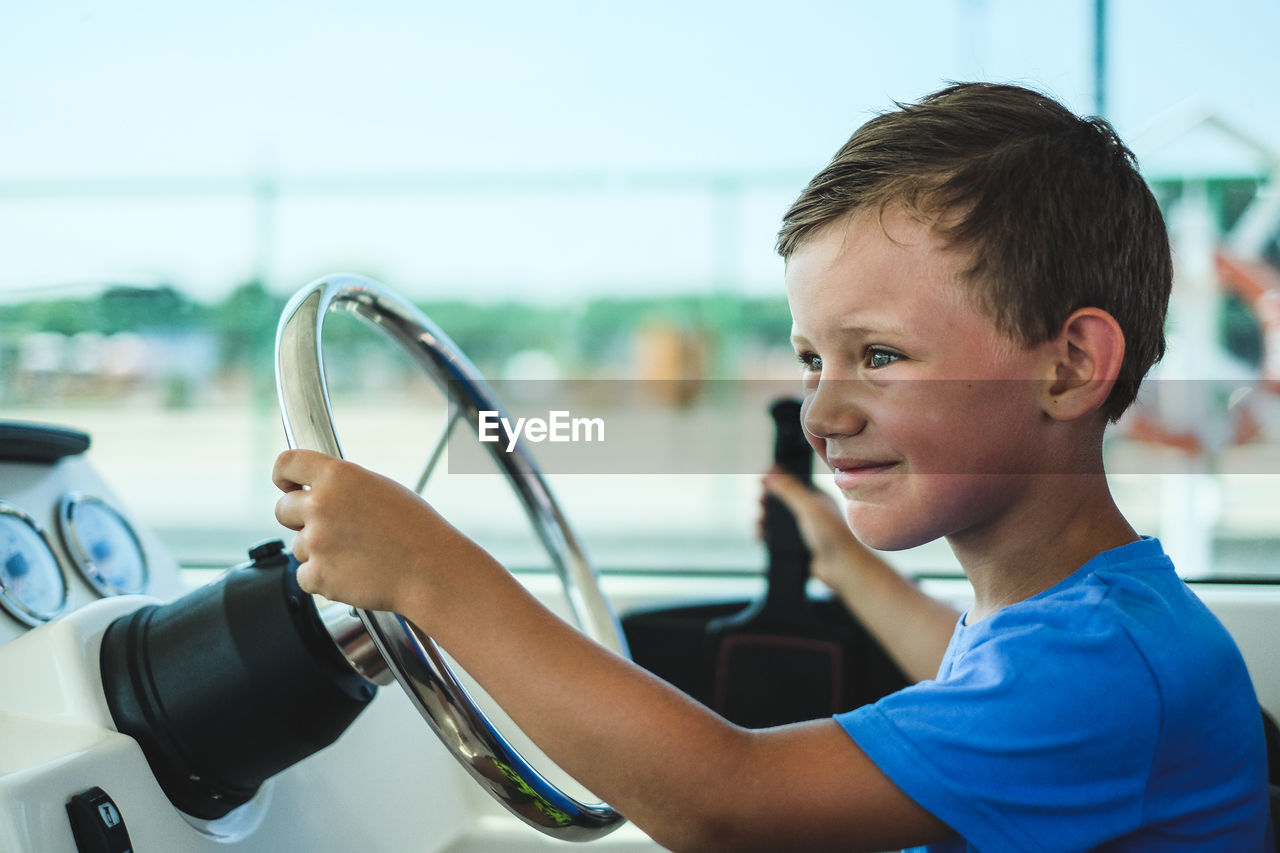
point(102, 545)
point(32, 586)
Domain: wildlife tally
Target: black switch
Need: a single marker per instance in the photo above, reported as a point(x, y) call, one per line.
point(97, 824)
point(268, 553)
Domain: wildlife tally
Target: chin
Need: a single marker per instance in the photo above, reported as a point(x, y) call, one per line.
point(884, 529)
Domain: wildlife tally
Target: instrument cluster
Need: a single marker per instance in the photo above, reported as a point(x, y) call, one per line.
point(58, 523)
point(98, 541)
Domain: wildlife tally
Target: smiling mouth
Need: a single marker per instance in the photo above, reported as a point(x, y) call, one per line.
point(849, 474)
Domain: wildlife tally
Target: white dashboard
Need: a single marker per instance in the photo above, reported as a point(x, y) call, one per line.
point(386, 784)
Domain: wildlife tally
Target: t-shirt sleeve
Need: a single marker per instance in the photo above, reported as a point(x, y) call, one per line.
point(1040, 738)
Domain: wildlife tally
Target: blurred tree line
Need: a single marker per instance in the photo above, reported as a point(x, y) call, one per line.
point(581, 336)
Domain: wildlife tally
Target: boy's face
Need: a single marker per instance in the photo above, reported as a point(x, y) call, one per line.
point(929, 417)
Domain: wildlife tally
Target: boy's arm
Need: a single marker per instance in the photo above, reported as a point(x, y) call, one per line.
point(913, 627)
point(690, 779)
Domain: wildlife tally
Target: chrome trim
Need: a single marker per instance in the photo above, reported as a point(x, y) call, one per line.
point(80, 557)
point(14, 606)
point(349, 634)
point(413, 657)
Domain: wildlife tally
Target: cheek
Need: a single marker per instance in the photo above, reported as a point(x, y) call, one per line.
point(970, 429)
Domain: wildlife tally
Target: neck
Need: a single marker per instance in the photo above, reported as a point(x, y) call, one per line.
point(1040, 542)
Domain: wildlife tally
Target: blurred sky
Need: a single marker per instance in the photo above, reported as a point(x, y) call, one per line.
point(108, 109)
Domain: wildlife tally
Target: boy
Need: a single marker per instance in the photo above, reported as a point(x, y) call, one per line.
point(977, 285)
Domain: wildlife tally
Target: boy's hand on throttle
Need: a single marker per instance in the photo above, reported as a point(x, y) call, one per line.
point(822, 525)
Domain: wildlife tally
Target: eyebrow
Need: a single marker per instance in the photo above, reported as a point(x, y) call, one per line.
point(865, 330)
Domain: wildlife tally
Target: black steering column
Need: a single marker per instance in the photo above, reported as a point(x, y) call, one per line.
point(230, 684)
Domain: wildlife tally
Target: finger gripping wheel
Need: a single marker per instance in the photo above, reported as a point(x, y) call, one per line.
point(413, 657)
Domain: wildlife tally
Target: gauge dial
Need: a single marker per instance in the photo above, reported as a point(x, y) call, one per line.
point(102, 545)
point(32, 586)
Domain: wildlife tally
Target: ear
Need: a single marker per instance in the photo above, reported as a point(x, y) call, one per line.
point(1086, 357)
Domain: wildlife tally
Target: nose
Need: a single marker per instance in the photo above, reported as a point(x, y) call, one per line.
point(831, 410)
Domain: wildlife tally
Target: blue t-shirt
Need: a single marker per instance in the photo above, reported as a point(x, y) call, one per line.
point(1111, 712)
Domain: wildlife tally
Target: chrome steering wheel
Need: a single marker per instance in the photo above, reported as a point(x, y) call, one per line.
point(412, 657)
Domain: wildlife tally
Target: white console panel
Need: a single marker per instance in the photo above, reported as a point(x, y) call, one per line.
point(385, 785)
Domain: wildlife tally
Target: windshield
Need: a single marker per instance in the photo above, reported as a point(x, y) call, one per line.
point(574, 192)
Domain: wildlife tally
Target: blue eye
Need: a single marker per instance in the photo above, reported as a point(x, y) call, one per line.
point(877, 358)
point(811, 361)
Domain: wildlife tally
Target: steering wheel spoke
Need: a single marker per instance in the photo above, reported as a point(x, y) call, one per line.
point(412, 657)
point(455, 415)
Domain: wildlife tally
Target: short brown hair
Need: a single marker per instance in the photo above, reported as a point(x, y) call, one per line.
point(1050, 207)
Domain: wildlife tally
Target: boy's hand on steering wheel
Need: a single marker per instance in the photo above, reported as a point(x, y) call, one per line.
point(363, 539)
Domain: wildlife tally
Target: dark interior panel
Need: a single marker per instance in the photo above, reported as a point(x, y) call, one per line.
point(766, 677)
